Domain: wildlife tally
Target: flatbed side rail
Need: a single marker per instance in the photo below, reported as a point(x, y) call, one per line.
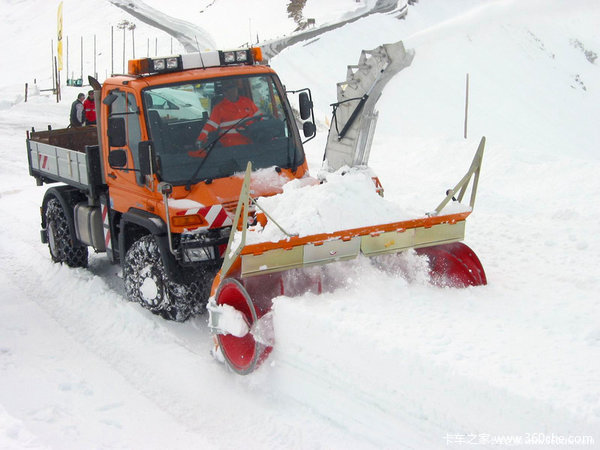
point(58, 164)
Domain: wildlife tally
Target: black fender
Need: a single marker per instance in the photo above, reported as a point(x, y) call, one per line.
point(67, 196)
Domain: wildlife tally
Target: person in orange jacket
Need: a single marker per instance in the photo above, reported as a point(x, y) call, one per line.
point(224, 118)
point(89, 106)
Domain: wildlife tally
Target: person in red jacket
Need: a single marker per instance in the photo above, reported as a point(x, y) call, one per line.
point(224, 118)
point(89, 106)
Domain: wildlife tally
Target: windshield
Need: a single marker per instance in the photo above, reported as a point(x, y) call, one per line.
point(219, 125)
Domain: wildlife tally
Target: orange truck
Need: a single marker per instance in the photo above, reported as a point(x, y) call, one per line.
point(161, 186)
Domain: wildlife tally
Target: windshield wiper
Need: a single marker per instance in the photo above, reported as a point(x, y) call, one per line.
point(208, 149)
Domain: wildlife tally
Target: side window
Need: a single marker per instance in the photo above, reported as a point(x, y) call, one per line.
point(266, 98)
point(134, 132)
point(125, 106)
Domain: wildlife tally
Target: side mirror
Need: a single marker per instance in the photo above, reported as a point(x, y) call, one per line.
point(117, 158)
point(116, 132)
point(110, 98)
point(309, 129)
point(305, 105)
point(146, 158)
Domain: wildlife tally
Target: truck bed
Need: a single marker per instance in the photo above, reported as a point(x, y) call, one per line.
point(68, 138)
point(69, 155)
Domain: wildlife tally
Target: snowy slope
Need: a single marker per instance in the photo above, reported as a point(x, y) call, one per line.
point(383, 361)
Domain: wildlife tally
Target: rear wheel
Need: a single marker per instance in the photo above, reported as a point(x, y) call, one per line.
point(147, 283)
point(64, 248)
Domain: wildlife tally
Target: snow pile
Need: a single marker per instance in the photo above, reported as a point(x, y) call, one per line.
point(346, 199)
point(270, 180)
point(230, 320)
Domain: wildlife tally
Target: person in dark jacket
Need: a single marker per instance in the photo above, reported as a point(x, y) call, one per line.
point(77, 117)
point(89, 106)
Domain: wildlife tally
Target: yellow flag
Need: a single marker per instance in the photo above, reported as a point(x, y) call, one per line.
point(60, 34)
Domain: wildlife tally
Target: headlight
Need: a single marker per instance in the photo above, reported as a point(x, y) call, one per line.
point(229, 57)
point(241, 56)
point(205, 246)
point(172, 63)
point(236, 57)
point(159, 64)
point(198, 254)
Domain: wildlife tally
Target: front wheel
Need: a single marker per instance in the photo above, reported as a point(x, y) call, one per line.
point(62, 245)
point(147, 283)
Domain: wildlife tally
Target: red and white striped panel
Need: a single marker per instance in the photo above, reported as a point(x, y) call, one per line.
point(43, 161)
point(215, 215)
point(106, 226)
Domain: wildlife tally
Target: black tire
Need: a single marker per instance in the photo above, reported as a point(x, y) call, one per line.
point(147, 283)
point(64, 248)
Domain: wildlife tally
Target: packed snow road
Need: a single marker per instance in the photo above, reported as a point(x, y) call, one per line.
point(372, 365)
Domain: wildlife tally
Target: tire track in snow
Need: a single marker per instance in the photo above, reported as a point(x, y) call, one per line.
point(11, 192)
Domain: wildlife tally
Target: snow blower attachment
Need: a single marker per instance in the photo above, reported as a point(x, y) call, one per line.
point(254, 274)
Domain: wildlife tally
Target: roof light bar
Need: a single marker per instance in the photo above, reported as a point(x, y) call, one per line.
point(199, 60)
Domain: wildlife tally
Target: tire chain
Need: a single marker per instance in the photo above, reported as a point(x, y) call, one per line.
point(68, 251)
point(178, 302)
